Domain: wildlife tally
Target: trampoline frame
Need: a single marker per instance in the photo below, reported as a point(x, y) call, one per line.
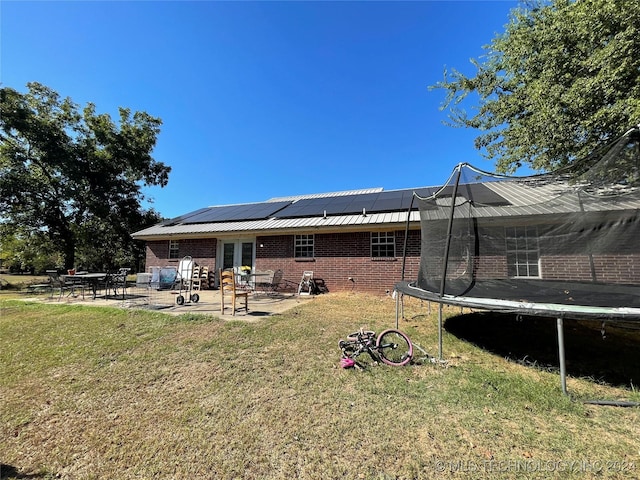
point(550, 310)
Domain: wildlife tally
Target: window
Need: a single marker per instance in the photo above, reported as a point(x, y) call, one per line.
point(523, 254)
point(383, 245)
point(174, 249)
point(247, 254)
point(303, 246)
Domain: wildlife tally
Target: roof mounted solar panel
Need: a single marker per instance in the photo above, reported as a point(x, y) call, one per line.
point(182, 218)
point(231, 213)
point(349, 204)
point(373, 202)
point(378, 202)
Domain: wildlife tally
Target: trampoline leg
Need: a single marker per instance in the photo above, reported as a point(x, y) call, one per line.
point(397, 302)
point(440, 333)
point(563, 365)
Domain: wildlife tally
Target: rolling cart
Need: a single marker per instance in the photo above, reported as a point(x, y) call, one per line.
point(184, 279)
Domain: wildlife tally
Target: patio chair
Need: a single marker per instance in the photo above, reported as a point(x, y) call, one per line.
point(307, 285)
point(196, 281)
point(263, 280)
point(119, 280)
point(228, 288)
point(62, 285)
point(36, 287)
point(271, 285)
point(204, 277)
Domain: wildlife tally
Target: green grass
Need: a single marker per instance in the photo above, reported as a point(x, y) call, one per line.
point(92, 392)
point(15, 282)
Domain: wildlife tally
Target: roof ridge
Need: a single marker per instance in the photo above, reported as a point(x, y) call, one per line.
point(360, 191)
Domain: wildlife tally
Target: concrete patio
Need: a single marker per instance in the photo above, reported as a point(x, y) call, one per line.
point(260, 304)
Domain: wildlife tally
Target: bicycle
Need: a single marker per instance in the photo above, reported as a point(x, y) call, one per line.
point(392, 347)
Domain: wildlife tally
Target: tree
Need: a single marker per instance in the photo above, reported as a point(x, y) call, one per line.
point(23, 250)
point(75, 175)
point(563, 79)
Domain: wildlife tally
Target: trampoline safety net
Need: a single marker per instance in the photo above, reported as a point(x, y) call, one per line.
point(563, 243)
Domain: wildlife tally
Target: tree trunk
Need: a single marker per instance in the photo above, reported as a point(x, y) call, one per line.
point(69, 252)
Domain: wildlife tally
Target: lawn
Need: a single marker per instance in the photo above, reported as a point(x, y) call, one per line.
point(90, 392)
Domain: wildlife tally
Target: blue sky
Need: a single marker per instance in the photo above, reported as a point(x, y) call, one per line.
point(264, 99)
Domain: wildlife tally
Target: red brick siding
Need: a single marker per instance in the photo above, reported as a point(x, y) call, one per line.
point(203, 252)
point(494, 266)
point(157, 253)
point(606, 268)
point(565, 267)
point(338, 256)
point(618, 268)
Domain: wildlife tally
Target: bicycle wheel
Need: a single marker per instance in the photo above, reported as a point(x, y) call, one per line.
point(394, 348)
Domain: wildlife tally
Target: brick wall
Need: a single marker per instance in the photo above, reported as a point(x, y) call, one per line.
point(202, 250)
point(157, 253)
point(337, 257)
point(490, 266)
point(606, 268)
point(340, 256)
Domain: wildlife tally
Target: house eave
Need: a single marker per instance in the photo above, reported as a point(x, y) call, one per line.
point(349, 223)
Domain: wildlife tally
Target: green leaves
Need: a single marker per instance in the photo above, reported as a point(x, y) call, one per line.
point(562, 79)
point(73, 173)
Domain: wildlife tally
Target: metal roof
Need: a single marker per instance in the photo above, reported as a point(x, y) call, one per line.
point(278, 225)
point(323, 195)
point(522, 197)
point(207, 221)
point(529, 199)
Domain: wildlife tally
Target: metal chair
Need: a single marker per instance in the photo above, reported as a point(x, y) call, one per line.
point(271, 286)
point(119, 280)
point(228, 288)
point(58, 282)
point(306, 286)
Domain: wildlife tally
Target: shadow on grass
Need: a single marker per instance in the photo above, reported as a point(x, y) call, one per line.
point(607, 355)
point(9, 471)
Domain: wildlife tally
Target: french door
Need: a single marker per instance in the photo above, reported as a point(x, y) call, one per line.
point(237, 253)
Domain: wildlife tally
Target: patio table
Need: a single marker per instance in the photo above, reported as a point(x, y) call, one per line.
point(91, 279)
point(246, 277)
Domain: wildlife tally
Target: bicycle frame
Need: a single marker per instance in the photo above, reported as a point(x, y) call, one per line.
point(391, 347)
point(364, 342)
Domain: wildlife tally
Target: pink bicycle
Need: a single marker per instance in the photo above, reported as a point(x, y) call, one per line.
point(392, 347)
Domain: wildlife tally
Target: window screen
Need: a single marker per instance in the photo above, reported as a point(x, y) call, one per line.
point(383, 244)
point(523, 254)
point(303, 247)
point(174, 249)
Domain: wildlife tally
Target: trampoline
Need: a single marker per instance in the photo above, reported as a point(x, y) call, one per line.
point(563, 244)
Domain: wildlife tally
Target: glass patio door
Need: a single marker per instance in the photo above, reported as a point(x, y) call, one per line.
point(237, 253)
